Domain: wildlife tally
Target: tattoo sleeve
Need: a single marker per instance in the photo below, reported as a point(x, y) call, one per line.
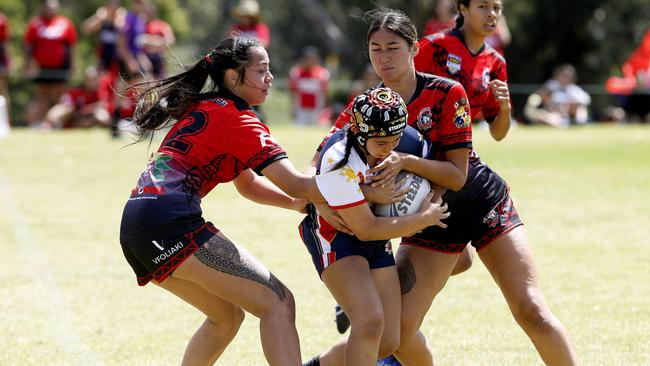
point(225, 256)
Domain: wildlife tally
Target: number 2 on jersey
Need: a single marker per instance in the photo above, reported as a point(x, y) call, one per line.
point(191, 125)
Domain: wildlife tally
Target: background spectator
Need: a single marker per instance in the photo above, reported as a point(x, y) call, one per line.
point(4, 73)
point(559, 102)
point(49, 42)
point(159, 36)
point(249, 24)
point(308, 83)
point(106, 23)
point(634, 87)
point(81, 106)
point(444, 12)
point(500, 39)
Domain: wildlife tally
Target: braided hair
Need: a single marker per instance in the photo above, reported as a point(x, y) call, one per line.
point(164, 101)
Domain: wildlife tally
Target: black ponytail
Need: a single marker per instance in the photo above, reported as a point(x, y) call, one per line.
point(164, 101)
point(460, 19)
point(349, 143)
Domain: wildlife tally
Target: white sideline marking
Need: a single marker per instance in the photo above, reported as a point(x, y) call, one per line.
point(57, 313)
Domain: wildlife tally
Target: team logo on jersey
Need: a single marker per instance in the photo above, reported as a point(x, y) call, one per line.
point(453, 64)
point(157, 166)
point(462, 119)
point(425, 119)
point(485, 77)
point(222, 102)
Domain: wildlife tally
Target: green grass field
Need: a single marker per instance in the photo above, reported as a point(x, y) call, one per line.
point(68, 297)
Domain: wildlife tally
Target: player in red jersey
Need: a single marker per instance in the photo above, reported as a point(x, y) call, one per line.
point(49, 45)
point(481, 209)
point(463, 55)
point(215, 138)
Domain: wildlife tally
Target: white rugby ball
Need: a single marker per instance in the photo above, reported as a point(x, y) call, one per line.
point(419, 189)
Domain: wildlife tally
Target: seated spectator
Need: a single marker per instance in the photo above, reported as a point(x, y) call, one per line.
point(444, 14)
point(308, 83)
point(559, 102)
point(81, 106)
point(49, 42)
point(633, 88)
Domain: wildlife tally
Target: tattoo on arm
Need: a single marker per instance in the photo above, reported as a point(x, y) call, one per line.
point(224, 256)
point(406, 273)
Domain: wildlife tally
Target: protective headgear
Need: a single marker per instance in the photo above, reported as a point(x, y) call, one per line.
point(379, 112)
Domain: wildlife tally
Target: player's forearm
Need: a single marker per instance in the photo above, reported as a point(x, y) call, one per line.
point(501, 125)
point(441, 172)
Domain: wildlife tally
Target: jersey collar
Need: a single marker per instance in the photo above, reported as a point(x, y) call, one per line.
point(457, 33)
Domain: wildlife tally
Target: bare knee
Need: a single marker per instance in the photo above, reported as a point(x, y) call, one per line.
point(533, 315)
point(227, 325)
point(368, 325)
point(282, 306)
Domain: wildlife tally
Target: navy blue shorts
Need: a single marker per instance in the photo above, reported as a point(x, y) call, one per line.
point(157, 259)
point(326, 250)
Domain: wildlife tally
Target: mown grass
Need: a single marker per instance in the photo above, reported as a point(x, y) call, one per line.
point(67, 296)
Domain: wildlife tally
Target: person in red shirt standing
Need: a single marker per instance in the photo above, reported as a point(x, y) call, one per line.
point(159, 36)
point(442, 19)
point(49, 44)
point(5, 120)
point(249, 24)
point(308, 83)
point(462, 54)
point(4, 55)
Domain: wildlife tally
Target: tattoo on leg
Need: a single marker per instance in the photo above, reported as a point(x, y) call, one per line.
point(406, 273)
point(224, 256)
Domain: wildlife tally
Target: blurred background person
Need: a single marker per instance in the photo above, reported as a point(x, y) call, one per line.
point(444, 13)
point(105, 23)
point(159, 37)
point(308, 84)
point(134, 63)
point(249, 24)
point(500, 39)
point(633, 88)
point(559, 102)
point(4, 74)
point(81, 106)
point(49, 48)
point(368, 80)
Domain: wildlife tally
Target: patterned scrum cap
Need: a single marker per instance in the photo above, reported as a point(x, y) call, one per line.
point(379, 112)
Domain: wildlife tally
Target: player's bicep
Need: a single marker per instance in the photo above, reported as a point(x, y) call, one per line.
point(358, 218)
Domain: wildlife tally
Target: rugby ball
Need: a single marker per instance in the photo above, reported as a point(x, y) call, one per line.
point(419, 189)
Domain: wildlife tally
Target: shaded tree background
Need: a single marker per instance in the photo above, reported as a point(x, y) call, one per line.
point(596, 36)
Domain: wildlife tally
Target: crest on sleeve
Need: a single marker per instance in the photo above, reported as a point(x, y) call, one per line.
point(453, 64)
point(462, 117)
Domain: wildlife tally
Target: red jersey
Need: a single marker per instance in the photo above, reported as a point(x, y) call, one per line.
point(258, 31)
point(309, 86)
point(434, 26)
point(51, 41)
point(446, 54)
point(80, 97)
point(438, 110)
point(213, 143)
point(4, 38)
